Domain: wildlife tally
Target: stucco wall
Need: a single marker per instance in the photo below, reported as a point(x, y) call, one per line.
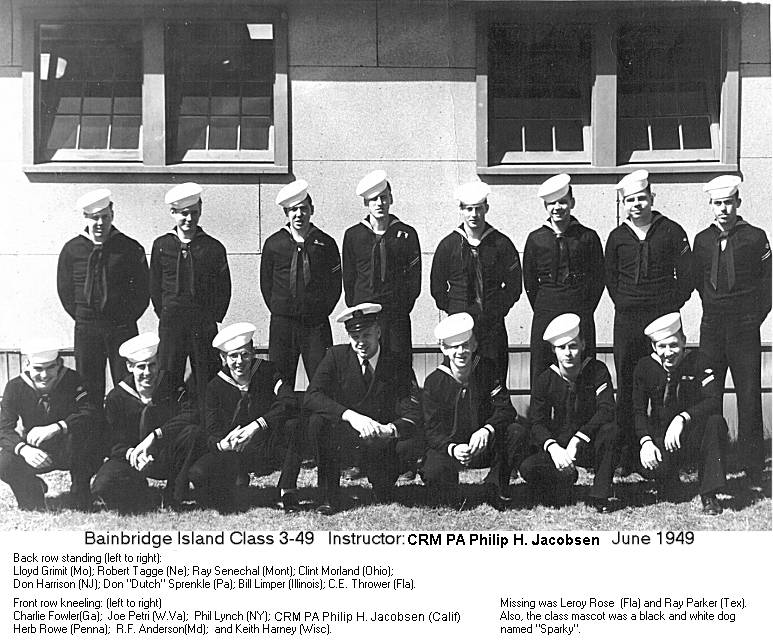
point(372, 85)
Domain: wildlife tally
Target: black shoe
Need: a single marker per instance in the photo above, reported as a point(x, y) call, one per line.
point(327, 508)
point(711, 505)
point(497, 499)
point(352, 473)
point(290, 502)
point(601, 505)
point(407, 476)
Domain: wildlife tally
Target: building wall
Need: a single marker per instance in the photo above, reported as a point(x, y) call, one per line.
point(373, 84)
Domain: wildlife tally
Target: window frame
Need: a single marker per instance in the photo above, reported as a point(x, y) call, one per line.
point(604, 117)
point(153, 157)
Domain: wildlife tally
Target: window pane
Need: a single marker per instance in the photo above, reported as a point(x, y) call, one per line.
point(94, 132)
point(569, 136)
point(79, 65)
point(192, 132)
point(255, 133)
point(539, 75)
point(64, 132)
point(125, 133)
point(696, 133)
point(223, 133)
point(665, 133)
point(667, 84)
point(233, 78)
point(539, 136)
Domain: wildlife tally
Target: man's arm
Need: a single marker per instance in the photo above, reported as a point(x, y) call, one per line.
point(322, 389)
point(156, 278)
point(412, 283)
point(611, 267)
point(683, 265)
point(511, 263)
point(605, 404)
point(438, 277)
point(64, 282)
point(595, 269)
point(332, 277)
point(530, 274)
point(349, 267)
point(139, 292)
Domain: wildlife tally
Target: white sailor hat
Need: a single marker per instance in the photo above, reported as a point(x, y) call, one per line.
point(722, 186)
point(140, 348)
point(554, 188)
point(39, 352)
point(562, 329)
point(360, 316)
point(454, 329)
point(372, 185)
point(234, 336)
point(472, 193)
point(94, 201)
point(633, 183)
point(293, 194)
point(663, 327)
point(182, 196)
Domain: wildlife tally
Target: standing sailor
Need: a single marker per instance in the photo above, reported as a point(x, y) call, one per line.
point(190, 286)
point(300, 279)
point(648, 274)
point(382, 264)
point(102, 281)
point(476, 269)
point(733, 275)
point(563, 271)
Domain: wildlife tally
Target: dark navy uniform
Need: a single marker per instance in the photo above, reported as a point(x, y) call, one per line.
point(391, 397)
point(561, 409)
point(385, 269)
point(104, 288)
point(693, 388)
point(301, 284)
point(482, 280)
point(735, 286)
point(172, 415)
point(645, 279)
point(267, 399)
point(562, 273)
point(190, 287)
point(453, 412)
point(77, 448)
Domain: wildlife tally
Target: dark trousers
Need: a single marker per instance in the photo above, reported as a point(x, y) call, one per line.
point(78, 453)
point(123, 488)
point(704, 444)
point(630, 345)
point(288, 338)
point(542, 352)
point(186, 335)
point(492, 343)
point(396, 336)
point(504, 454)
point(731, 341)
point(97, 343)
point(382, 459)
point(540, 471)
point(214, 473)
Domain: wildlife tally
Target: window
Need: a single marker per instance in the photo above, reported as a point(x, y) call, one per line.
point(147, 90)
point(540, 98)
point(605, 91)
point(90, 88)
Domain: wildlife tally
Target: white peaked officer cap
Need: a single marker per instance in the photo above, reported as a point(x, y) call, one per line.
point(633, 183)
point(360, 316)
point(40, 351)
point(140, 348)
point(562, 329)
point(182, 196)
point(663, 327)
point(722, 186)
point(293, 194)
point(236, 335)
point(372, 185)
point(472, 193)
point(454, 329)
point(554, 188)
point(94, 201)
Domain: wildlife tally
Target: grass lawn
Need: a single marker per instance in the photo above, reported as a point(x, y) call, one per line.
point(638, 510)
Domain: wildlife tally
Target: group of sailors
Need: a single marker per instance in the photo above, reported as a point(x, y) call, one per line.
point(205, 435)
